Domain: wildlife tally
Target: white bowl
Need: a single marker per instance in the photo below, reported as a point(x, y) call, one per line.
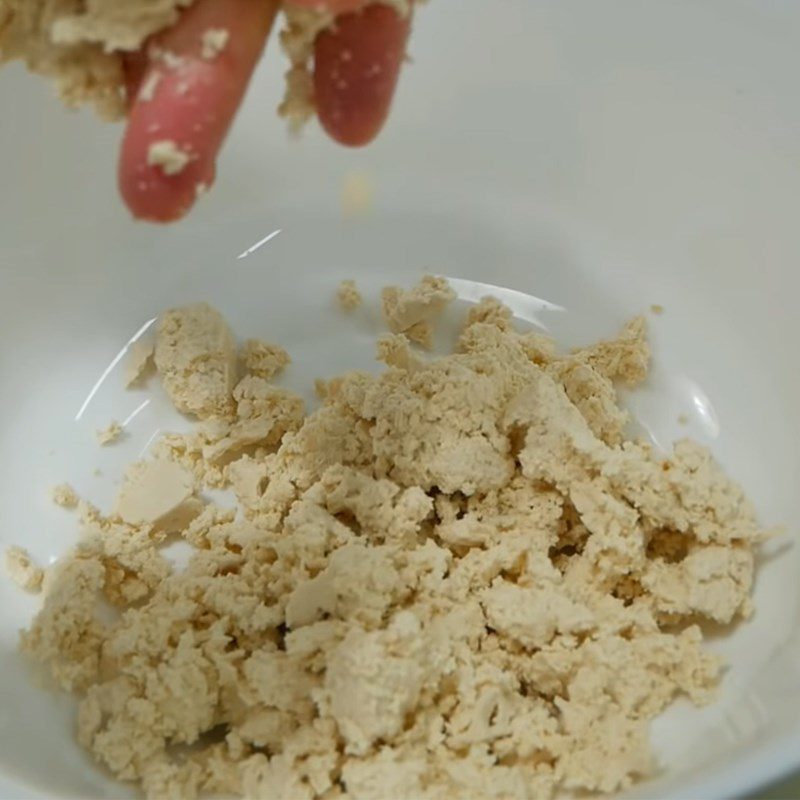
point(602, 156)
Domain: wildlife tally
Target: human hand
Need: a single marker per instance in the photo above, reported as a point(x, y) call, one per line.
point(183, 101)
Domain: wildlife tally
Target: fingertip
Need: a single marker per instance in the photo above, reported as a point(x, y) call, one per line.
point(352, 131)
point(356, 67)
point(183, 101)
point(334, 6)
point(154, 197)
point(166, 154)
point(350, 135)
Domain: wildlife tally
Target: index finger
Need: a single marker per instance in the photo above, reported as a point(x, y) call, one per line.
point(190, 88)
point(334, 6)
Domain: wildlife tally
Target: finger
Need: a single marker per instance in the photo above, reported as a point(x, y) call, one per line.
point(334, 6)
point(356, 66)
point(186, 99)
point(136, 64)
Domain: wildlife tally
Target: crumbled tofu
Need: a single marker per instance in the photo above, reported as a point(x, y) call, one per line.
point(80, 47)
point(626, 358)
point(595, 397)
point(139, 361)
point(657, 309)
point(395, 351)
point(412, 312)
point(65, 496)
point(151, 490)
point(168, 156)
point(195, 355)
point(297, 41)
point(263, 416)
point(110, 434)
point(22, 570)
point(532, 617)
point(263, 359)
point(457, 578)
point(320, 388)
point(213, 42)
point(348, 296)
point(491, 311)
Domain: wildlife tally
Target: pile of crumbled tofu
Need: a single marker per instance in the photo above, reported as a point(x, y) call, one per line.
point(457, 578)
point(81, 45)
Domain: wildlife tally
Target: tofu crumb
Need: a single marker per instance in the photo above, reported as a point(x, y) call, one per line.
point(263, 359)
point(65, 496)
point(168, 156)
point(457, 578)
point(394, 350)
point(214, 41)
point(358, 195)
point(148, 89)
point(321, 388)
point(412, 312)
point(657, 309)
point(172, 61)
point(22, 570)
point(151, 490)
point(139, 361)
point(195, 355)
point(348, 296)
point(683, 419)
point(111, 433)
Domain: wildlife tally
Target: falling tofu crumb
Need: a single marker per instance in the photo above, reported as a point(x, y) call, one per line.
point(22, 570)
point(348, 296)
point(65, 496)
point(111, 433)
point(357, 194)
point(683, 419)
point(263, 359)
point(214, 41)
point(454, 579)
point(657, 309)
point(168, 156)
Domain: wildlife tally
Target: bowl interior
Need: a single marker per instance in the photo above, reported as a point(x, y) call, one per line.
point(595, 158)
